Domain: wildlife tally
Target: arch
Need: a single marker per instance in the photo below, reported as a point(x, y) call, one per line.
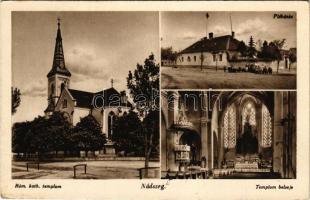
point(215, 150)
point(266, 127)
point(249, 110)
point(164, 143)
point(229, 128)
point(53, 89)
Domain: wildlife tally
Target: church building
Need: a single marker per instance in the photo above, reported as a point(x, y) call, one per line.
point(104, 105)
point(229, 134)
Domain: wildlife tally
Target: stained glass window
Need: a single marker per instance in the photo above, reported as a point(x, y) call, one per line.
point(230, 127)
point(266, 127)
point(249, 110)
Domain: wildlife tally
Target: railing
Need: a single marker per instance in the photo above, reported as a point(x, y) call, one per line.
point(32, 163)
point(191, 174)
point(79, 165)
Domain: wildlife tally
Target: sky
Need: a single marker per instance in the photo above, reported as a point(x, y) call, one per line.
point(181, 29)
point(97, 46)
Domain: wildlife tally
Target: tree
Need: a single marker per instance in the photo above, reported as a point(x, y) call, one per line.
point(251, 49)
point(169, 54)
point(143, 85)
point(292, 57)
point(265, 50)
point(127, 134)
point(151, 130)
point(277, 46)
point(41, 135)
point(19, 132)
point(242, 48)
point(15, 99)
point(59, 130)
point(87, 135)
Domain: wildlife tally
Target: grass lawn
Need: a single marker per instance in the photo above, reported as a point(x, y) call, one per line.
point(194, 78)
point(95, 170)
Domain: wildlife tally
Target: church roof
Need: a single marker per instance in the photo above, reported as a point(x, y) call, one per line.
point(226, 42)
point(86, 99)
point(59, 66)
point(83, 99)
point(111, 97)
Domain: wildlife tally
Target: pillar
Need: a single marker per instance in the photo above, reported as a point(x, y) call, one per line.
point(278, 144)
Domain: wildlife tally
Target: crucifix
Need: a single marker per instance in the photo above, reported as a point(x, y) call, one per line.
point(111, 82)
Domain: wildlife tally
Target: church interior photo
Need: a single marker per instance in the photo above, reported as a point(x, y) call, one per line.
point(228, 134)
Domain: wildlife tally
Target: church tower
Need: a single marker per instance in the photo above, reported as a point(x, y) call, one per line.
point(59, 76)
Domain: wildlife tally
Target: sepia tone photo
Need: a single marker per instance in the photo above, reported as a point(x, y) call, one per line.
point(78, 78)
point(154, 99)
point(228, 50)
point(228, 135)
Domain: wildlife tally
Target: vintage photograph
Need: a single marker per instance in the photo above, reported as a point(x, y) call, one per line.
point(228, 50)
point(85, 95)
point(228, 135)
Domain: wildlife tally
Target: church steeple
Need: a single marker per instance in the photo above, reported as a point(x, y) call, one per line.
point(59, 66)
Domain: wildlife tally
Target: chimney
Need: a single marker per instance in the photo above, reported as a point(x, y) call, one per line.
point(210, 35)
point(232, 34)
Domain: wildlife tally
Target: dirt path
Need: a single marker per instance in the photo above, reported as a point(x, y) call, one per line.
point(190, 78)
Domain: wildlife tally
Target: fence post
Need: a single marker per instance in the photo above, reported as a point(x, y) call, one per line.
point(74, 171)
point(140, 173)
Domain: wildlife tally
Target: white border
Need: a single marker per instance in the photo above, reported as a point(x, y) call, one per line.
point(177, 189)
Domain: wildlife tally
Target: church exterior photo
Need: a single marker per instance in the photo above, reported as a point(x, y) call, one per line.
point(228, 134)
point(75, 104)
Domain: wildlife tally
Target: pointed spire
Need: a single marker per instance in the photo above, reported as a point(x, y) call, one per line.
point(59, 59)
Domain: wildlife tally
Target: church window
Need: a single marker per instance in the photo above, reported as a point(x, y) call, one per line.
point(53, 89)
point(195, 58)
point(230, 127)
point(188, 58)
point(214, 57)
point(182, 59)
point(64, 104)
point(266, 127)
point(220, 57)
point(249, 110)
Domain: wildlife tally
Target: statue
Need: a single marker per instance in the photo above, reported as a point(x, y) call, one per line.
point(247, 143)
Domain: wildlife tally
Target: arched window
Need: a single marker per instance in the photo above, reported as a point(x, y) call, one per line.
point(230, 127)
point(188, 58)
point(65, 103)
point(266, 127)
point(110, 124)
point(53, 89)
point(249, 110)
